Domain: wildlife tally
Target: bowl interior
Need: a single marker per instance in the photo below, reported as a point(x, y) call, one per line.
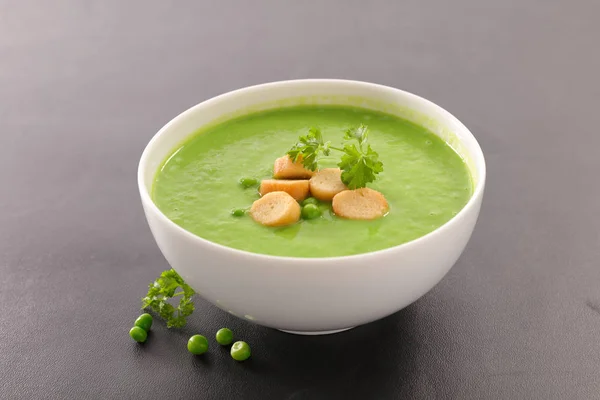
point(312, 92)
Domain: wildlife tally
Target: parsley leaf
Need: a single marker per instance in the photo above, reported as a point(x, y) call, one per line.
point(163, 289)
point(360, 133)
point(308, 148)
point(358, 167)
point(359, 163)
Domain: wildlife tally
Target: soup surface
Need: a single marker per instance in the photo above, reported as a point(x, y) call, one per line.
point(424, 180)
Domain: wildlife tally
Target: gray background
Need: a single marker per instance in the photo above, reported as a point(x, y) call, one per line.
point(85, 84)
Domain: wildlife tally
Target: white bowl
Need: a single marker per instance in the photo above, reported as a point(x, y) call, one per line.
point(313, 295)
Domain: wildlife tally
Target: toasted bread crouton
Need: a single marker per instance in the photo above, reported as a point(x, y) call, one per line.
point(361, 203)
point(275, 209)
point(327, 183)
point(298, 189)
point(285, 168)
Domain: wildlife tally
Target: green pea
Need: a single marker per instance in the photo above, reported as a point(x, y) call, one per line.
point(311, 211)
point(310, 200)
point(144, 321)
point(197, 344)
point(238, 212)
point(224, 336)
point(240, 351)
point(248, 182)
point(138, 334)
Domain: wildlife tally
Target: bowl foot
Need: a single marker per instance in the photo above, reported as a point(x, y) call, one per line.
point(314, 333)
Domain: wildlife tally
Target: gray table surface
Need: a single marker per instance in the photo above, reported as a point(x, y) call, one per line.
point(85, 84)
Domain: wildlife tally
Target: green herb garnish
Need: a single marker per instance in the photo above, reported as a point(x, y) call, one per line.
point(359, 162)
point(308, 149)
point(163, 289)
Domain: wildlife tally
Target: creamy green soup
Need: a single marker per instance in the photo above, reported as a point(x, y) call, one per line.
point(424, 180)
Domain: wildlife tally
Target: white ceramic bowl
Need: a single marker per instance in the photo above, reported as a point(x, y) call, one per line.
point(313, 295)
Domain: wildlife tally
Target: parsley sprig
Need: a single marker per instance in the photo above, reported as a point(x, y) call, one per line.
point(359, 162)
point(163, 289)
point(308, 149)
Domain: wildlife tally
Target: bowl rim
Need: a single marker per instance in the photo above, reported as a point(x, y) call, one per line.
point(148, 202)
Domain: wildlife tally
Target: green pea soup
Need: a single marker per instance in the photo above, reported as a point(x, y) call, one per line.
point(424, 181)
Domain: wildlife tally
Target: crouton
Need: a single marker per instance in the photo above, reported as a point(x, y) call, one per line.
point(298, 189)
point(275, 209)
point(327, 183)
point(362, 203)
point(285, 168)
